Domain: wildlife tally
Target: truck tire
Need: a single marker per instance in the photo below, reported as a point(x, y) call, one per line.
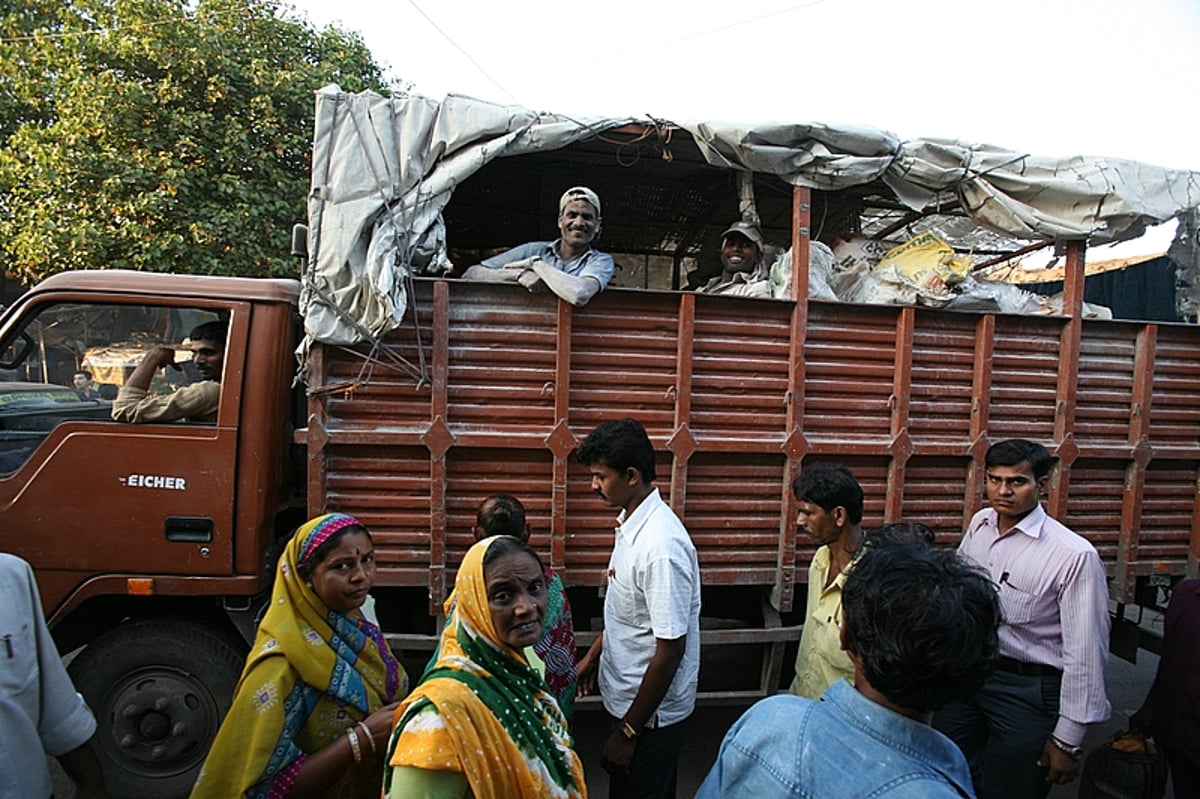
point(159, 689)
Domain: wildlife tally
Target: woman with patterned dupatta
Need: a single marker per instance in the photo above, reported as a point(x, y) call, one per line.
point(312, 711)
point(482, 723)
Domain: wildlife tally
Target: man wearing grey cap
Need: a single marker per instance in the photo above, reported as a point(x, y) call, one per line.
point(568, 266)
point(744, 272)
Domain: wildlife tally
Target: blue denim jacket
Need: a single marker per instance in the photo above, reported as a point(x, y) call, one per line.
point(842, 747)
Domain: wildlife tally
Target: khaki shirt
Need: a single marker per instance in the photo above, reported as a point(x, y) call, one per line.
point(197, 402)
point(741, 286)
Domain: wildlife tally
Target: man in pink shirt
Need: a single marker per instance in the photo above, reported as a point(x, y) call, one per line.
point(1022, 732)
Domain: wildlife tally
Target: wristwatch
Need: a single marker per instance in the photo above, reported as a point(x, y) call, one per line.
point(627, 730)
point(1075, 752)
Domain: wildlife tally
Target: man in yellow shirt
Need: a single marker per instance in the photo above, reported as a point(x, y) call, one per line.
point(830, 512)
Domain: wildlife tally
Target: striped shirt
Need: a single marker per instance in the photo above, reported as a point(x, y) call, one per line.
point(1054, 601)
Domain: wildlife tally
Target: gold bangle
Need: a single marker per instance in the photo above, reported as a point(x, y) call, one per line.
point(367, 732)
point(355, 750)
point(627, 730)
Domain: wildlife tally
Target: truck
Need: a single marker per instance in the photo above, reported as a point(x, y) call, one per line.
point(154, 544)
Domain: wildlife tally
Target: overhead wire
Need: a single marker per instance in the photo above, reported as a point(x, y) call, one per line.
point(468, 56)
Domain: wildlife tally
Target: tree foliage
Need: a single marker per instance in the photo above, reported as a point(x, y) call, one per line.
point(160, 135)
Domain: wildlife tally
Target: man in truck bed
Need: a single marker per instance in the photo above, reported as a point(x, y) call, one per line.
point(196, 402)
point(743, 271)
point(569, 267)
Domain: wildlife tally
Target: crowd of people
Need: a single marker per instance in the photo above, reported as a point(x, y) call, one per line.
point(922, 671)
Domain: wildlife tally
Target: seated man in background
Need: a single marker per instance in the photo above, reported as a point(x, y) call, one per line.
point(921, 628)
point(84, 387)
point(197, 402)
point(743, 271)
point(567, 266)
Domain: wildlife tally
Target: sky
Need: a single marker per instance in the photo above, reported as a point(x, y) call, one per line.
point(1049, 77)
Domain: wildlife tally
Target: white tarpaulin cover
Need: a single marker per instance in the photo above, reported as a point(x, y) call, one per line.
point(385, 168)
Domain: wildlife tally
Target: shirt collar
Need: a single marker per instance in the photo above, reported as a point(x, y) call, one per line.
point(632, 524)
point(906, 735)
point(556, 248)
point(1031, 524)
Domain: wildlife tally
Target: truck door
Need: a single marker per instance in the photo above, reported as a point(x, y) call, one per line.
point(82, 495)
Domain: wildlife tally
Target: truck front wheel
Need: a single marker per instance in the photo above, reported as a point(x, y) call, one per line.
point(159, 689)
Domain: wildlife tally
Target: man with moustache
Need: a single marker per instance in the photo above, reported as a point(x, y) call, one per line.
point(829, 510)
point(1022, 732)
point(744, 273)
point(647, 660)
point(196, 402)
point(567, 266)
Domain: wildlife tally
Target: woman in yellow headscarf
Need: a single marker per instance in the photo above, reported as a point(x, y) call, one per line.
point(311, 713)
point(483, 723)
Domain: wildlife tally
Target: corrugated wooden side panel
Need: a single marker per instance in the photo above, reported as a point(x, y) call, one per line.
point(740, 373)
point(378, 392)
point(387, 487)
point(1094, 506)
point(849, 356)
point(733, 515)
point(1024, 378)
point(1105, 393)
point(943, 354)
point(526, 377)
point(934, 490)
point(501, 365)
point(1168, 516)
point(623, 363)
point(474, 473)
point(1175, 412)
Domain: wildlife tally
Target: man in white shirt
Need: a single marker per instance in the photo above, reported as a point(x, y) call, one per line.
point(647, 660)
point(1022, 732)
point(40, 712)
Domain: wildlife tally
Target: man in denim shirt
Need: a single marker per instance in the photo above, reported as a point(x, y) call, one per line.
point(920, 626)
point(569, 266)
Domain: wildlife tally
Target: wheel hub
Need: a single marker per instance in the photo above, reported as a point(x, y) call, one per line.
point(160, 720)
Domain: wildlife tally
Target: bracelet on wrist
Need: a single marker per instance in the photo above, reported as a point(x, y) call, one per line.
point(627, 730)
point(355, 749)
point(367, 733)
point(1074, 752)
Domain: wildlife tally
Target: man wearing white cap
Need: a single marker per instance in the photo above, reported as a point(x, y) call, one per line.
point(744, 272)
point(568, 266)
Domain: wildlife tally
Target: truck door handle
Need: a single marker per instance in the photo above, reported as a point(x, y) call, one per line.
point(188, 529)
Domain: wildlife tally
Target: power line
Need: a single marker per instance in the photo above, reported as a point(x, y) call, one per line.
point(454, 44)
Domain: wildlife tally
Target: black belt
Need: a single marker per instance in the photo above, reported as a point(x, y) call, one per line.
point(1029, 669)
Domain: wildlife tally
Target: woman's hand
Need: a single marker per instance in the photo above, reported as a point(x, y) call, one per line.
point(379, 724)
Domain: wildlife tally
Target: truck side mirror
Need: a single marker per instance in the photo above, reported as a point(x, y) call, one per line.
point(17, 351)
point(300, 241)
